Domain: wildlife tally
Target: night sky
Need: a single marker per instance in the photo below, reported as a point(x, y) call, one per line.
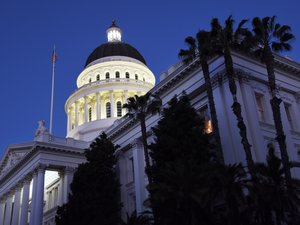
point(29, 30)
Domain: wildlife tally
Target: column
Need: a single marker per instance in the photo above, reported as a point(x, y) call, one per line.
point(16, 209)
point(33, 198)
point(139, 177)
point(98, 106)
point(60, 189)
point(125, 97)
point(76, 113)
point(86, 113)
point(68, 175)
point(2, 207)
point(70, 118)
point(39, 203)
point(112, 103)
point(25, 202)
point(8, 210)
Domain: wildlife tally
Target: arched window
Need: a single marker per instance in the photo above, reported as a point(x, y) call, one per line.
point(136, 77)
point(90, 114)
point(98, 77)
point(119, 109)
point(117, 74)
point(144, 79)
point(108, 110)
point(127, 75)
point(107, 75)
point(90, 80)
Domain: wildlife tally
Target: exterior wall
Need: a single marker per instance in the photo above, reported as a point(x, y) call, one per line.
point(251, 79)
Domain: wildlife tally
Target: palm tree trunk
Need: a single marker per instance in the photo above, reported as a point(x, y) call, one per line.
point(145, 146)
point(236, 108)
point(275, 104)
point(212, 108)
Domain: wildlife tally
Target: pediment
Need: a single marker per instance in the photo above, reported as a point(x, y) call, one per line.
point(12, 156)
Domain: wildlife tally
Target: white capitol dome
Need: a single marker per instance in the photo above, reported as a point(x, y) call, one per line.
point(113, 72)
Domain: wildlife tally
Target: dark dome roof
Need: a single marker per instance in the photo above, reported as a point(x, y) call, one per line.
point(114, 49)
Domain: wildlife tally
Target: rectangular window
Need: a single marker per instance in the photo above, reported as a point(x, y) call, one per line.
point(260, 106)
point(130, 169)
point(289, 115)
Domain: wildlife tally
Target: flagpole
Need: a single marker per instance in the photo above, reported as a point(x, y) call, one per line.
point(52, 90)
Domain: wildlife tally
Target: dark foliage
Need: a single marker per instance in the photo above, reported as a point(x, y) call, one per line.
point(94, 197)
point(179, 154)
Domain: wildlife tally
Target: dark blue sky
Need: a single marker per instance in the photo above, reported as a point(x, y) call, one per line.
point(29, 29)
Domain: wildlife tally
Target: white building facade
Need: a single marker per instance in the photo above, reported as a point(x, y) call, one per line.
point(35, 176)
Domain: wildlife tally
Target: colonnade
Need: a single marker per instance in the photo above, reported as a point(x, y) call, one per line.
point(16, 205)
point(94, 107)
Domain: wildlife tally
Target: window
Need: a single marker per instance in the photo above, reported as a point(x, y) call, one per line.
point(130, 170)
point(98, 77)
point(117, 74)
point(260, 106)
point(127, 75)
point(90, 80)
point(107, 75)
point(144, 79)
point(289, 115)
point(136, 77)
point(90, 114)
point(108, 111)
point(119, 109)
point(207, 121)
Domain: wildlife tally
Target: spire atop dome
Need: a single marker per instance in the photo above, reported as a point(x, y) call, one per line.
point(114, 33)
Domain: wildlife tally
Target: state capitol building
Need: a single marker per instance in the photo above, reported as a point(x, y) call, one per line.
point(35, 176)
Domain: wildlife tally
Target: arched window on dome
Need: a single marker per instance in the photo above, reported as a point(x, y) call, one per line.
point(90, 80)
point(127, 75)
point(119, 109)
point(144, 79)
point(136, 77)
point(90, 114)
point(107, 75)
point(98, 77)
point(117, 75)
point(108, 110)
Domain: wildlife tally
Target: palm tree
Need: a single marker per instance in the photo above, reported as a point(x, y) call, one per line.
point(225, 38)
point(139, 107)
point(134, 219)
point(202, 48)
point(273, 37)
point(271, 202)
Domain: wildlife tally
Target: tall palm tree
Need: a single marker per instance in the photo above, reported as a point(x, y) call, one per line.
point(224, 39)
point(139, 107)
point(202, 47)
point(273, 37)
